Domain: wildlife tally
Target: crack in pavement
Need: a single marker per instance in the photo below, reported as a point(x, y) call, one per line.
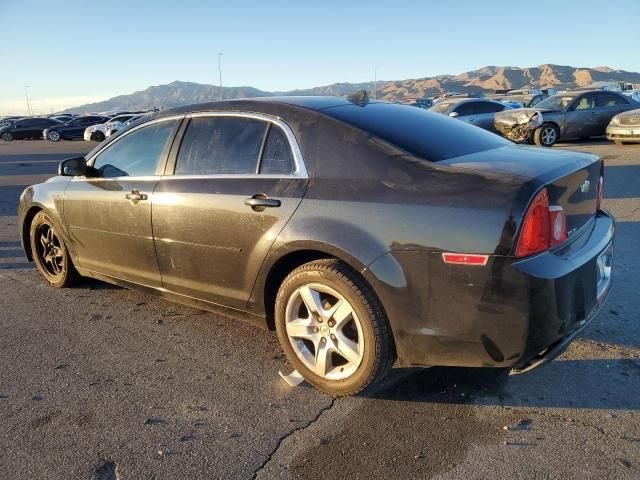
point(284, 437)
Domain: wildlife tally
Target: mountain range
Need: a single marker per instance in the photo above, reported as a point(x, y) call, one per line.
point(486, 79)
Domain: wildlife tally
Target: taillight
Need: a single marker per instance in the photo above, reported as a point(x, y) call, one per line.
point(543, 226)
point(536, 228)
point(600, 188)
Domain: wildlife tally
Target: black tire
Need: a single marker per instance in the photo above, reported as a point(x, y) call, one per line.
point(378, 348)
point(619, 142)
point(54, 136)
point(546, 135)
point(50, 254)
point(98, 136)
point(6, 136)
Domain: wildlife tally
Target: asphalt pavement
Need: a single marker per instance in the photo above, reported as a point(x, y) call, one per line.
point(98, 382)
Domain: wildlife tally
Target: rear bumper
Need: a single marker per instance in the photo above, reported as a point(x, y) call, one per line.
point(509, 314)
point(623, 133)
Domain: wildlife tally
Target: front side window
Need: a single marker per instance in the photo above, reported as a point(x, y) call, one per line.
point(587, 102)
point(221, 145)
point(277, 158)
point(136, 154)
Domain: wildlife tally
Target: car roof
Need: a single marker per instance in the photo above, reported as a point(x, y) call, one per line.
point(316, 103)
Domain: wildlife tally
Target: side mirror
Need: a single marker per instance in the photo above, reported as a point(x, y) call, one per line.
point(73, 167)
point(453, 114)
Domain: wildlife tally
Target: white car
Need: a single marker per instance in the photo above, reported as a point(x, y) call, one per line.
point(112, 128)
point(99, 132)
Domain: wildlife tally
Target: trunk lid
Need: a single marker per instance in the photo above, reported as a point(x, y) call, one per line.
point(571, 178)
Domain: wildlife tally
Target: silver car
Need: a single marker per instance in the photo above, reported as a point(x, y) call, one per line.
point(579, 114)
point(625, 127)
point(476, 111)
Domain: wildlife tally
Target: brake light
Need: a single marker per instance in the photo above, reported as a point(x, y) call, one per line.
point(600, 188)
point(535, 235)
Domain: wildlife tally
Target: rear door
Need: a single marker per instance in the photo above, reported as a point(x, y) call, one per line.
point(235, 181)
point(608, 105)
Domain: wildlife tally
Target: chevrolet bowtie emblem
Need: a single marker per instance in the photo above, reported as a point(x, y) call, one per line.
point(584, 188)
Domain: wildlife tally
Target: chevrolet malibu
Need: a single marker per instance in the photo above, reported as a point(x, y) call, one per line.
point(365, 233)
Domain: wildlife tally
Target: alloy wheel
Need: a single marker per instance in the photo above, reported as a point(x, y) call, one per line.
point(549, 135)
point(54, 136)
point(324, 331)
point(7, 137)
point(50, 250)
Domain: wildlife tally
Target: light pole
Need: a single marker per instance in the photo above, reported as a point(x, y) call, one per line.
point(26, 95)
point(220, 72)
point(375, 82)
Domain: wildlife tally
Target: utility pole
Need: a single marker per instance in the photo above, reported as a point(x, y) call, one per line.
point(26, 95)
point(220, 71)
point(375, 82)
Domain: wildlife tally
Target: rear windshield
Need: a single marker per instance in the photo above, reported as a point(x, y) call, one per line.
point(428, 135)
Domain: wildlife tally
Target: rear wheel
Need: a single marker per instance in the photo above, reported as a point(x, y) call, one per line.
point(50, 254)
point(6, 136)
point(332, 328)
point(546, 135)
point(53, 136)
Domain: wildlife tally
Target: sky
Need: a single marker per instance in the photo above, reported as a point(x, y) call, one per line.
point(73, 52)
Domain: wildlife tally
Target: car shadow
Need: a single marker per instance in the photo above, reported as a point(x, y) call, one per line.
point(593, 384)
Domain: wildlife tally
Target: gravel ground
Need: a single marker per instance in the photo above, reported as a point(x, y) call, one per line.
point(99, 382)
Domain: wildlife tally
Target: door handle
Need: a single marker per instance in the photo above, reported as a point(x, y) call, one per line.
point(135, 196)
point(260, 201)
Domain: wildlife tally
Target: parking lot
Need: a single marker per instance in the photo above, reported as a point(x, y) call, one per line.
point(101, 382)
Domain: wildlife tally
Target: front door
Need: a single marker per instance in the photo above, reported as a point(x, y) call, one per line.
point(580, 121)
point(608, 105)
point(108, 214)
point(235, 184)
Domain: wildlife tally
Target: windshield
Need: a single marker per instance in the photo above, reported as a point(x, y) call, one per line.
point(442, 107)
point(556, 102)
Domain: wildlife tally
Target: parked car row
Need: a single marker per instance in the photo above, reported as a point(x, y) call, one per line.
point(58, 127)
point(544, 118)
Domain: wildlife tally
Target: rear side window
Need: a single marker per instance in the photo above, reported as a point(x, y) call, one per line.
point(135, 154)
point(464, 109)
point(276, 155)
point(425, 134)
point(220, 145)
point(488, 107)
point(586, 102)
point(609, 100)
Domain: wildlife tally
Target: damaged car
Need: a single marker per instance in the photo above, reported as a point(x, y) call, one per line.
point(579, 114)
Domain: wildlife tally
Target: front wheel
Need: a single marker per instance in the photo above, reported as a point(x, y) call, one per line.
point(50, 254)
point(53, 136)
point(332, 328)
point(546, 135)
point(98, 136)
point(6, 136)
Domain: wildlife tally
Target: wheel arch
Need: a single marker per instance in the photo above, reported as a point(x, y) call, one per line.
point(280, 265)
point(26, 229)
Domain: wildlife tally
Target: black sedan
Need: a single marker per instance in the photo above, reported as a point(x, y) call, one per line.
point(73, 129)
point(367, 234)
point(27, 128)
